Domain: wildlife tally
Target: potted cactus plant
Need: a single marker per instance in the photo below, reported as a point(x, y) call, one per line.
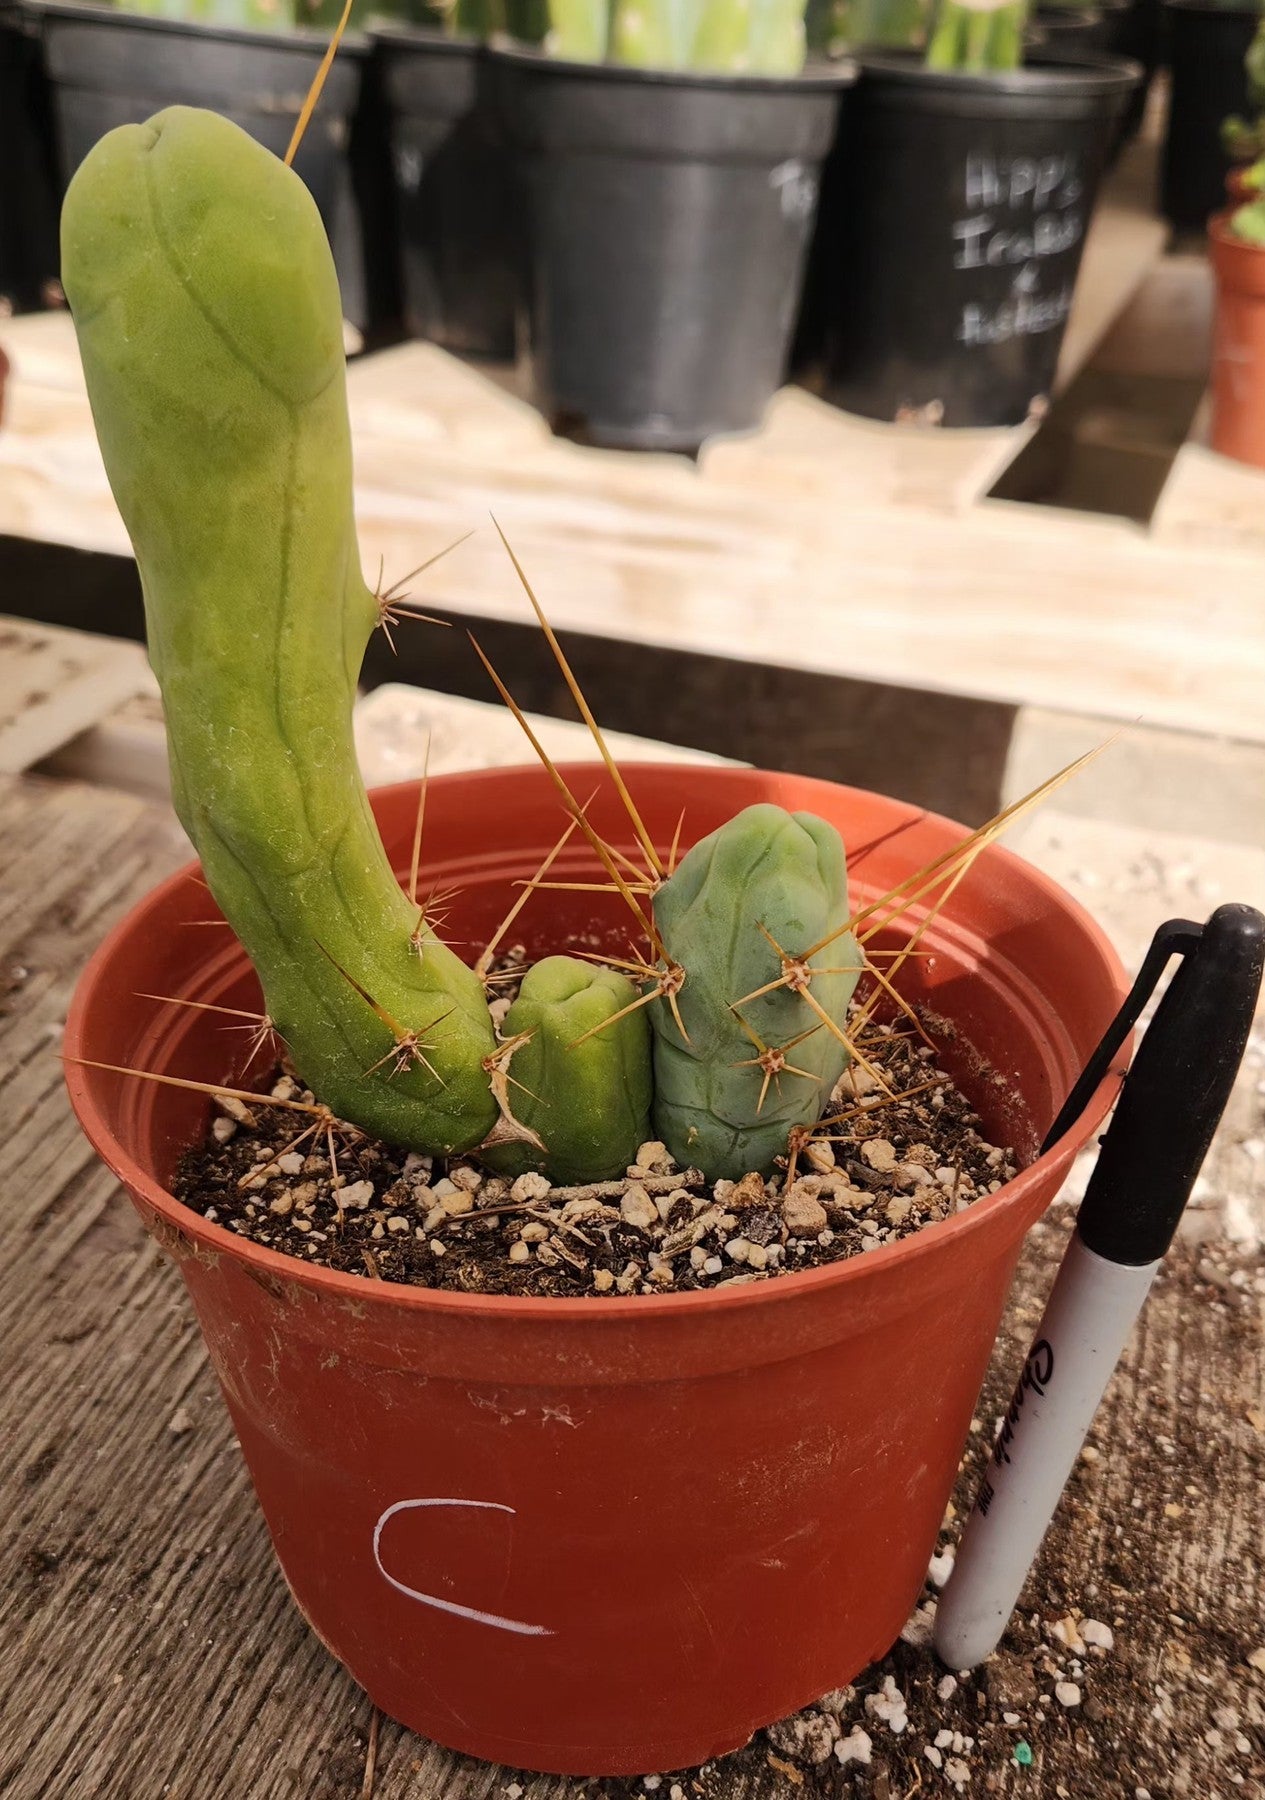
point(605, 1532)
point(1236, 243)
point(251, 61)
point(947, 285)
point(670, 155)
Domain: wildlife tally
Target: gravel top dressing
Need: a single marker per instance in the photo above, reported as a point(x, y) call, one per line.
point(905, 1152)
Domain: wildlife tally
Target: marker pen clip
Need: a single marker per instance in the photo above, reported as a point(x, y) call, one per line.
point(1170, 1105)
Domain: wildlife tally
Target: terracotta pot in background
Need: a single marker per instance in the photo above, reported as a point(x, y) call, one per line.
point(1238, 347)
point(618, 1535)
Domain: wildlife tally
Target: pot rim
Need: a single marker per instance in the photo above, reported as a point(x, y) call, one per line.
point(1239, 267)
point(817, 76)
point(855, 1271)
point(400, 34)
point(1222, 8)
point(1050, 74)
point(86, 12)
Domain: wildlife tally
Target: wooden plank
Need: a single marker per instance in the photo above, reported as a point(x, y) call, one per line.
point(823, 543)
point(54, 684)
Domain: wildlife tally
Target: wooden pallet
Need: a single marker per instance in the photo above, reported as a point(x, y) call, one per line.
point(822, 542)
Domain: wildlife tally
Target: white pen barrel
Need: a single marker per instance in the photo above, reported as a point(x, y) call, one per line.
point(1087, 1322)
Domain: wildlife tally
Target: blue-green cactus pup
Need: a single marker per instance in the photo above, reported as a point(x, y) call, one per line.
point(208, 317)
point(787, 872)
point(588, 1101)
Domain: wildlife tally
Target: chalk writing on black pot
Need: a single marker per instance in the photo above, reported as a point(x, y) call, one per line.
point(1024, 214)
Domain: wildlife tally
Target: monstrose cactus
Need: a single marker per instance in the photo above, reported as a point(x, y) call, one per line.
point(204, 297)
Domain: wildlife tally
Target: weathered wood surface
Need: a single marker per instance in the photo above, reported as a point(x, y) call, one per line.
point(148, 1647)
point(823, 542)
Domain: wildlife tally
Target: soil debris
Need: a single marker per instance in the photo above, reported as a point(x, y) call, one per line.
point(886, 1170)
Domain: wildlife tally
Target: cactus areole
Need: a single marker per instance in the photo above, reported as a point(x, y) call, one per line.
point(208, 316)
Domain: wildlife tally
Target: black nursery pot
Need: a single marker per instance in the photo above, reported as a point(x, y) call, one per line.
point(28, 189)
point(668, 216)
point(456, 216)
point(1207, 43)
point(948, 280)
point(1090, 30)
point(111, 68)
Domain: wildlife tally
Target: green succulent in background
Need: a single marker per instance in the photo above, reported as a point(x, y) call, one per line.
point(210, 326)
point(755, 37)
point(1243, 140)
point(836, 26)
point(976, 37)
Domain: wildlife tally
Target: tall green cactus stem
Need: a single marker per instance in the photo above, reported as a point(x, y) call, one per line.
point(720, 1101)
point(208, 316)
point(978, 36)
point(583, 1075)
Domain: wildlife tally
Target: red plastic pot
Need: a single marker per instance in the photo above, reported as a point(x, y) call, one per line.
point(609, 1535)
point(1238, 347)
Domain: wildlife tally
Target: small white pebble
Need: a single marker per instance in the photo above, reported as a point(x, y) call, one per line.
point(223, 1129)
point(438, 1249)
point(698, 1257)
point(940, 1570)
point(947, 1687)
point(235, 1109)
point(652, 1157)
point(520, 1252)
point(637, 1208)
point(283, 1204)
point(934, 1757)
point(1011, 1718)
point(757, 1256)
point(738, 1250)
point(435, 1218)
point(467, 1181)
point(603, 1281)
point(1067, 1693)
point(1095, 1633)
point(291, 1163)
point(857, 1747)
point(943, 1740)
point(180, 1421)
point(713, 1265)
point(879, 1153)
point(534, 1232)
point(531, 1186)
point(652, 1782)
point(356, 1195)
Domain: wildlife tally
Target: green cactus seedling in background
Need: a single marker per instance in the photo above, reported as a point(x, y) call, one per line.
point(748, 1069)
point(978, 36)
point(734, 37)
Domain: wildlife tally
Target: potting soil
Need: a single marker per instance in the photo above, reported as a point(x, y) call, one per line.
point(904, 1150)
